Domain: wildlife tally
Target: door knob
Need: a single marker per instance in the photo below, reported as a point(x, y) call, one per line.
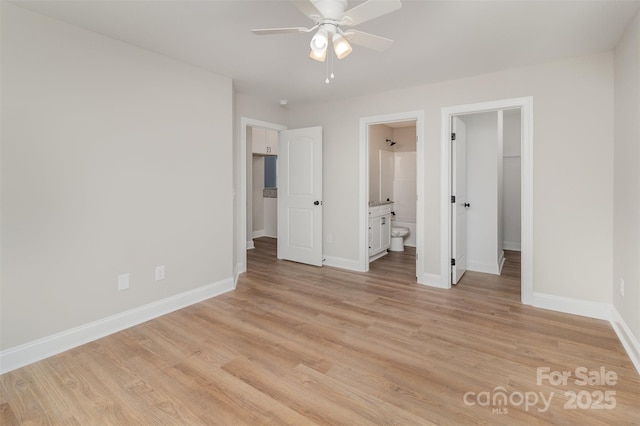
point(467, 205)
point(316, 203)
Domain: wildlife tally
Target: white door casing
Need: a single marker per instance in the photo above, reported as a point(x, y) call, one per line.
point(526, 107)
point(459, 191)
point(244, 204)
point(365, 122)
point(300, 195)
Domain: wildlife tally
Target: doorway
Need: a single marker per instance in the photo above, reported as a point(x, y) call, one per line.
point(245, 209)
point(366, 124)
point(526, 203)
point(485, 188)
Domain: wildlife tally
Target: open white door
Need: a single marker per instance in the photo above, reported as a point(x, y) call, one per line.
point(300, 195)
point(458, 199)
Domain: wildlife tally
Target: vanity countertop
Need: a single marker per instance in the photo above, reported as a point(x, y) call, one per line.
point(270, 193)
point(379, 203)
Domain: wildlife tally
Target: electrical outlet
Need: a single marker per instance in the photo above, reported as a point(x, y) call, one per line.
point(621, 287)
point(329, 238)
point(159, 273)
point(123, 282)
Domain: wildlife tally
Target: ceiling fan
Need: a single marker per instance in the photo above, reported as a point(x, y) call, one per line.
point(329, 16)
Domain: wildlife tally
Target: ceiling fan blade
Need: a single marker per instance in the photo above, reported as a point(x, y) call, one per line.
point(308, 8)
point(368, 10)
point(370, 41)
point(270, 31)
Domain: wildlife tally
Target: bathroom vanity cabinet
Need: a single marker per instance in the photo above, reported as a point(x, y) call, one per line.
point(379, 230)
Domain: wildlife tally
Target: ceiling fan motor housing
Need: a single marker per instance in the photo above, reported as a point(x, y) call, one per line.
point(332, 10)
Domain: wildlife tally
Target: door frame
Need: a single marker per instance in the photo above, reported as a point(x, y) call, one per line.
point(365, 122)
point(242, 216)
point(525, 104)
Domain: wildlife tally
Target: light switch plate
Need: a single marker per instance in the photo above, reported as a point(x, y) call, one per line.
point(159, 273)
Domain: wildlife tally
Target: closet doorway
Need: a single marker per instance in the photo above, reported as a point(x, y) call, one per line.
point(525, 106)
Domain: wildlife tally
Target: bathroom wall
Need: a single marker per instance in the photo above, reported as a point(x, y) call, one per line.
point(405, 138)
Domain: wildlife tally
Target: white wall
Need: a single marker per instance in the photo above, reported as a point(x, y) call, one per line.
point(257, 195)
point(271, 217)
point(482, 191)
point(500, 206)
point(626, 188)
point(114, 160)
point(511, 180)
point(573, 165)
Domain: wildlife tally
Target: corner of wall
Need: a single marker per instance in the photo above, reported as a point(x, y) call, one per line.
point(628, 340)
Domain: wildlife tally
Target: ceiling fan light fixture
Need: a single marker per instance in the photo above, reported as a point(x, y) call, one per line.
point(319, 56)
point(341, 46)
point(320, 40)
point(318, 45)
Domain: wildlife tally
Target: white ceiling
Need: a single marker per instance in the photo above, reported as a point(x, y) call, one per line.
point(434, 40)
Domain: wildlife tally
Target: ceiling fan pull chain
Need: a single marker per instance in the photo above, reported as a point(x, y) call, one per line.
point(331, 59)
point(327, 79)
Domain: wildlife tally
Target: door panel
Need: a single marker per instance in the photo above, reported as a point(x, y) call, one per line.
point(300, 195)
point(458, 209)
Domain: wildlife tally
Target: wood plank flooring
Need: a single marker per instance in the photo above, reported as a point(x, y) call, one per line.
point(296, 344)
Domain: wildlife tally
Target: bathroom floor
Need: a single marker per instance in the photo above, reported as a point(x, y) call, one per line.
point(396, 263)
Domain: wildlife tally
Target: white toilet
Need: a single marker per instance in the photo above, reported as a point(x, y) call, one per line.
point(398, 233)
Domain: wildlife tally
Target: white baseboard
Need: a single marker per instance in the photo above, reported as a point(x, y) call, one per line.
point(378, 255)
point(511, 245)
point(568, 305)
point(19, 356)
point(626, 337)
point(501, 262)
point(239, 269)
point(250, 245)
point(597, 310)
point(339, 262)
point(486, 268)
point(432, 280)
point(257, 234)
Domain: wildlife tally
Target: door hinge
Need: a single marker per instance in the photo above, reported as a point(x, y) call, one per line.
point(453, 262)
point(453, 136)
point(453, 198)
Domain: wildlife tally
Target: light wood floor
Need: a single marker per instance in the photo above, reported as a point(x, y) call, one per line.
point(298, 345)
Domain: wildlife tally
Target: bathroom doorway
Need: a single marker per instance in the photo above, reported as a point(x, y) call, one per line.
point(392, 171)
